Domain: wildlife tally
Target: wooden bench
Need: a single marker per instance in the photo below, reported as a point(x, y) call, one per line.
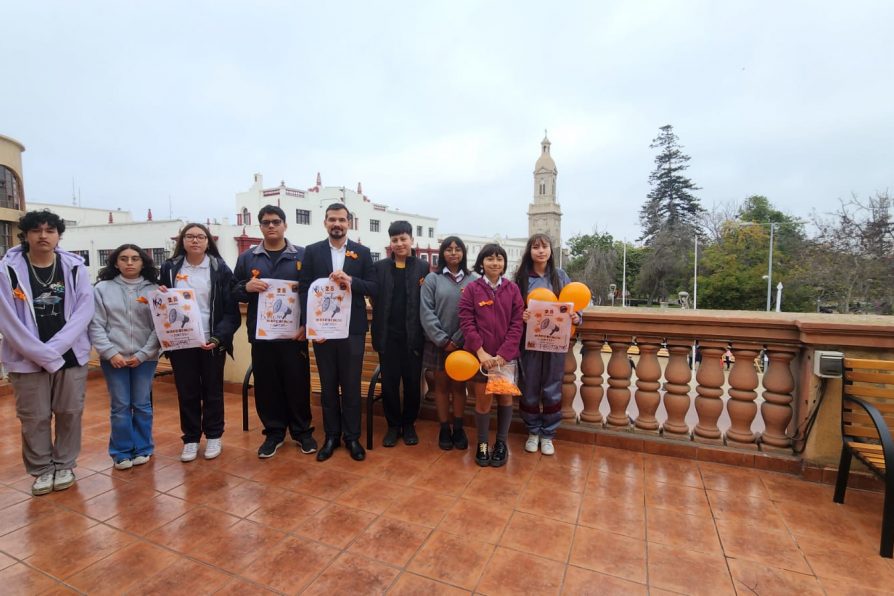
point(867, 415)
point(370, 385)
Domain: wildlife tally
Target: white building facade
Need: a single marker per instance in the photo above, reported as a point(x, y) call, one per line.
point(95, 233)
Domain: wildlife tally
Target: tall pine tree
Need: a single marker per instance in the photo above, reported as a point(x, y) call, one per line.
point(669, 220)
point(671, 207)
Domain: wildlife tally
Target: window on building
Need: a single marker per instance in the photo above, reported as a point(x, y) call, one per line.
point(302, 216)
point(374, 225)
point(10, 189)
point(419, 231)
point(375, 256)
point(246, 217)
point(431, 232)
point(424, 257)
point(5, 237)
point(355, 221)
point(158, 255)
point(103, 256)
point(434, 260)
point(84, 254)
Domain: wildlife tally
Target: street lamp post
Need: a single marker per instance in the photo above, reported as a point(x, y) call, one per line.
point(695, 276)
point(624, 278)
point(770, 266)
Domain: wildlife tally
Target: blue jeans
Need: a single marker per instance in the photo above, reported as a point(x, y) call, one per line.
point(131, 418)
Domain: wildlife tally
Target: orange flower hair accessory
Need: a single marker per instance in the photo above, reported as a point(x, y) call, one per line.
point(351, 254)
point(421, 281)
point(18, 293)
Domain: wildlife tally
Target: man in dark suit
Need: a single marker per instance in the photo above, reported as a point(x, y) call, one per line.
point(340, 361)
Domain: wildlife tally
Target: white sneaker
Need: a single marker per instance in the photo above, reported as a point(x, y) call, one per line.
point(141, 459)
point(546, 446)
point(63, 479)
point(190, 451)
point(531, 443)
point(124, 464)
point(43, 484)
point(212, 448)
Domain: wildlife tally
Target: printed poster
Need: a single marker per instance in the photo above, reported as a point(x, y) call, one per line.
point(549, 326)
point(177, 320)
point(328, 310)
point(278, 310)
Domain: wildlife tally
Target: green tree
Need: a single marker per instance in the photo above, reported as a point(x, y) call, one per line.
point(733, 270)
point(598, 261)
point(669, 220)
point(670, 204)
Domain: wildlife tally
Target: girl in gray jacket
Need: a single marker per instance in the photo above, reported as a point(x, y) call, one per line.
point(124, 336)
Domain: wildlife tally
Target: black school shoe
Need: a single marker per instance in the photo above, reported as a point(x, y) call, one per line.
point(445, 439)
point(391, 436)
point(500, 455)
point(482, 458)
point(410, 436)
point(460, 440)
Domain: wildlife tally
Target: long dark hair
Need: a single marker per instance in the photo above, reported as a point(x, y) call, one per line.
point(527, 265)
point(110, 271)
point(180, 249)
point(463, 264)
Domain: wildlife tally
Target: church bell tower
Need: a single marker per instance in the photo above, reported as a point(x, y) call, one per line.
point(544, 213)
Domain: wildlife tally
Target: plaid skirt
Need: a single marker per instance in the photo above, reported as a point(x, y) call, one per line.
point(433, 357)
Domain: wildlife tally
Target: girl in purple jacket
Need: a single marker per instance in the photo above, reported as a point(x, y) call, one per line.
point(490, 316)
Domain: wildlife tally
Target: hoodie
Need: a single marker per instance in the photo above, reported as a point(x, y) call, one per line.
point(123, 323)
point(21, 350)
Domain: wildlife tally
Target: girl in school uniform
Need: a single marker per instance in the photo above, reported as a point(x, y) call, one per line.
point(440, 296)
point(198, 372)
point(124, 337)
point(541, 372)
point(490, 316)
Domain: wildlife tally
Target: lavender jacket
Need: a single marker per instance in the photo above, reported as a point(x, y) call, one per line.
point(492, 320)
point(21, 350)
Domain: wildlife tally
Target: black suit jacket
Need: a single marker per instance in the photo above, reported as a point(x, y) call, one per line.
point(317, 263)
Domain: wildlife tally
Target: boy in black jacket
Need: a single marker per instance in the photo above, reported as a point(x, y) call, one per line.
point(397, 333)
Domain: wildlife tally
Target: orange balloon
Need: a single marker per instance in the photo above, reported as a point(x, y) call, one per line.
point(542, 294)
point(577, 293)
point(461, 365)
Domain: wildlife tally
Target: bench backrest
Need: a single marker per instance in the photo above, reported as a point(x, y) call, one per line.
point(871, 381)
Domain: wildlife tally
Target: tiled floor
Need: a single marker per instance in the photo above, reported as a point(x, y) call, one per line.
point(418, 520)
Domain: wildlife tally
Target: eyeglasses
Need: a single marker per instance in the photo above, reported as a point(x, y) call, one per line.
point(266, 223)
point(127, 259)
point(199, 237)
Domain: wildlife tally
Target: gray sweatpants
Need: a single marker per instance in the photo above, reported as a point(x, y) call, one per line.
point(39, 397)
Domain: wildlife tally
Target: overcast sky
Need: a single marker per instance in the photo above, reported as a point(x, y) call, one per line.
point(439, 107)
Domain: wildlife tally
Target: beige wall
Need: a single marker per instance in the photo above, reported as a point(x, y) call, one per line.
point(11, 155)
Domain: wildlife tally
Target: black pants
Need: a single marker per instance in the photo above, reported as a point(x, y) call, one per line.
point(340, 362)
point(400, 363)
point(282, 387)
point(198, 375)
